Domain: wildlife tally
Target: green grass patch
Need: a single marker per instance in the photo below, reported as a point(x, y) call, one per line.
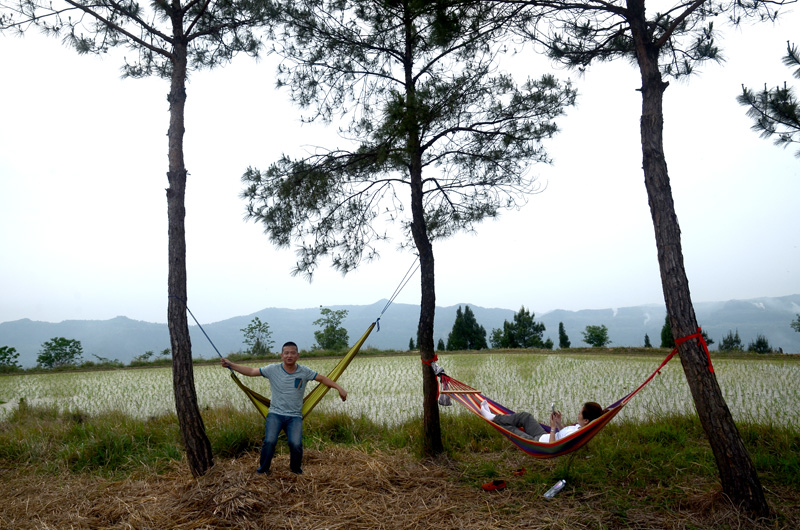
point(109, 444)
point(233, 432)
point(654, 460)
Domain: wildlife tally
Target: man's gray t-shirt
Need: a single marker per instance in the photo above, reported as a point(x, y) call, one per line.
point(287, 389)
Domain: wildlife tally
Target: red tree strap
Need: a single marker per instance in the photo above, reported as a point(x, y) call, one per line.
point(435, 358)
point(698, 336)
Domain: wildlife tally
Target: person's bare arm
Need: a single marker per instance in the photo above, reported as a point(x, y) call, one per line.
point(555, 425)
point(327, 381)
point(242, 369)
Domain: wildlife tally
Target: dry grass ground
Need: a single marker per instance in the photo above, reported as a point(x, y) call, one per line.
point(345, 488)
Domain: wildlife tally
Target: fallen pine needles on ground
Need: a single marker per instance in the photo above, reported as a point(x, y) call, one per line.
point(349, 488)
point(71, 471)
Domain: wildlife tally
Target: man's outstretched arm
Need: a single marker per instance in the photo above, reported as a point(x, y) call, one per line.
point(242, 369)
point(327, 381)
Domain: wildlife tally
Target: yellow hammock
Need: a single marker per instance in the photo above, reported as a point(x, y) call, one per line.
point(312, 398)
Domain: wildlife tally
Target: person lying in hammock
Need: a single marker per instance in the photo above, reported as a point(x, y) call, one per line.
point(525, 425)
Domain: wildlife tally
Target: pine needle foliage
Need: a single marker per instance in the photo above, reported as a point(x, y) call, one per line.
point(416, 88)
point(775, 111)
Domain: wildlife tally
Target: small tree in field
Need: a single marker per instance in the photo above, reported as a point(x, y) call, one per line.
point(731, 342)
point(258, 337)
point(759, 345)
point(563, 340)
point(796, 324)
point(332, 336)
point(647, 341)
point(8, 359)
point(466, 334)
point(522, 332)
point(596, 336)
point(667, 340)
point(59, 352)
point(143, 358)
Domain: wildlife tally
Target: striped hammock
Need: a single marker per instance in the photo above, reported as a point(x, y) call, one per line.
point(472, 399)
point(311, 399)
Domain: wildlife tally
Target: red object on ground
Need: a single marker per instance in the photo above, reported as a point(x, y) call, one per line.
point(494, 485)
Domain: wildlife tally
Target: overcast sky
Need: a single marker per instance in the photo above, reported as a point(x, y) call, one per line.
point(83, 222)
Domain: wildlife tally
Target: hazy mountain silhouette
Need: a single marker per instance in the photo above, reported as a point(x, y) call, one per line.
point(122, 338)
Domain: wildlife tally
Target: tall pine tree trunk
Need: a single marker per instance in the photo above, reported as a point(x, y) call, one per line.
point(432, 440)
point(737, 473)
point(432, 430)
point(193, 432)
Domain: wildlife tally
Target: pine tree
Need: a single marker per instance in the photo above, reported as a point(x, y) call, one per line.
point(731, 342)
point(647, 341)
point(528, 334)
point(457, 338)
point(522, 332)
point(476, 332)
point(667, 339)
point(417, 87)
point(169, 40)
point(759, 345)
point(668, 41)
point(563, 340)
point(466, 334)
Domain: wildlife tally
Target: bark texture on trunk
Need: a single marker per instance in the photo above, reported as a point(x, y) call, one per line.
point(738, 475)
point(432, 440)
point(432, 430)
point(193, 432)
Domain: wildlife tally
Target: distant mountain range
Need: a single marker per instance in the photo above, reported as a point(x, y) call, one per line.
point(122, 338)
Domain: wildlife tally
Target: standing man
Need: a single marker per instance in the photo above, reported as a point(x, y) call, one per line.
point(288, 383)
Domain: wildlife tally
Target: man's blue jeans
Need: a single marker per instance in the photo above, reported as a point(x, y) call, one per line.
point(293, 426)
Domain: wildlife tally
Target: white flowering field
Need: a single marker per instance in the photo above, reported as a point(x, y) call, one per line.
point(388, 389)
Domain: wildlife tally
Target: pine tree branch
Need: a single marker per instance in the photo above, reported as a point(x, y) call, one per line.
point(116, 27)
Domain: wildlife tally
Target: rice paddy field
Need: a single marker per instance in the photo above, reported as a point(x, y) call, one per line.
point(388, 390)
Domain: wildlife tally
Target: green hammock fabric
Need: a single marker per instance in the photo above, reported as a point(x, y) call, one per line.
point(262, 403)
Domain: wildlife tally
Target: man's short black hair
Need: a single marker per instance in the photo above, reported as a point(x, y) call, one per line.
point(591, 411)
